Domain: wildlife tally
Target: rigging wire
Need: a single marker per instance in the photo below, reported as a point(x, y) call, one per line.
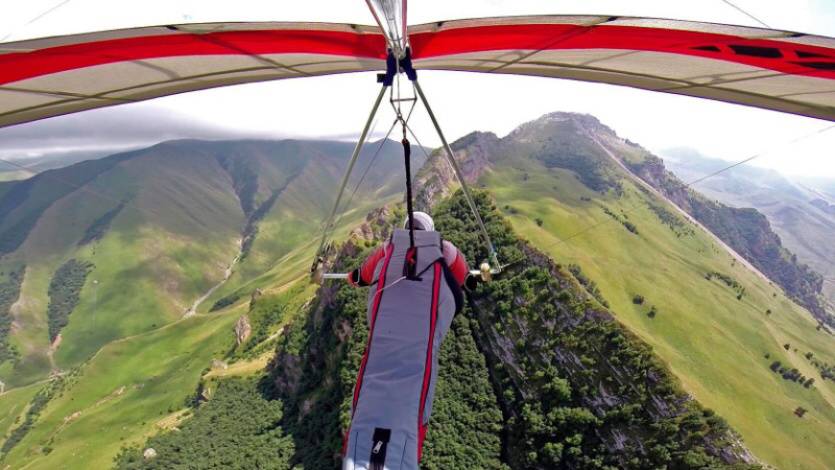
point(688, 185)
point(35, 19)
point(450, 157)
point(353, 160)
point(364, 174)
point(324, 222)
point(398, 118)
point(749, 15)
point(374, 158)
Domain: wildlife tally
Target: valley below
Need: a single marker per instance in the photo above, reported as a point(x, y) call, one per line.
point(640, 324)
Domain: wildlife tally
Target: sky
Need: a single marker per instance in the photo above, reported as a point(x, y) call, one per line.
point(336, 106)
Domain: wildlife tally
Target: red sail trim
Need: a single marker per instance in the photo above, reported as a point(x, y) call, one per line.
point(17, 66)
point(535, 37)
point(427, 370)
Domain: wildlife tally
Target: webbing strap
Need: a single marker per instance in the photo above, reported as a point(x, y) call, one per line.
point(407, 153)
point(411, 254)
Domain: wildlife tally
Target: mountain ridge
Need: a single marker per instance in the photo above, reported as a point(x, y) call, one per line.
point(602, 227)
point(679, 307)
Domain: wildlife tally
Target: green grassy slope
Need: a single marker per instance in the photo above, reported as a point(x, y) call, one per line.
point(168, 221)
point(714, 342)
point(13, 405)
point(800, 215)
point(163, 249)
point(187, 206)
point(123, 393)
point(138, 386)
point(289, 232)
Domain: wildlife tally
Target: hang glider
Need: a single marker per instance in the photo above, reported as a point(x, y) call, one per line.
point(778, 70)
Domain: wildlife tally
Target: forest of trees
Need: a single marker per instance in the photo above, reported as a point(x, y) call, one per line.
point(9, 292)
point(64, 293)
point(729, 281)
point(238, 429)
point(591, 286)
point(667, 217)
point(99, 227)
point(623, 218)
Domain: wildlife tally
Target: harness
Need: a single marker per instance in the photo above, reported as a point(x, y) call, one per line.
point(408, 318)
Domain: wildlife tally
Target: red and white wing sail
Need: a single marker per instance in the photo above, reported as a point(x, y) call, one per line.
point(48, 77)
point(778, 70)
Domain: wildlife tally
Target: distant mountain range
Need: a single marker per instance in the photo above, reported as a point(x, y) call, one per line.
point(801, 210)
point(156, 310)
point(21, 168)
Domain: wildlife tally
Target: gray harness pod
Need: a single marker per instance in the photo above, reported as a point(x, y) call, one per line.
point(407, 321)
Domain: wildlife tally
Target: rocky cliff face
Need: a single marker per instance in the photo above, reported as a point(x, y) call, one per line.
point(436, 179)
point(242, 330)
point(376, 225)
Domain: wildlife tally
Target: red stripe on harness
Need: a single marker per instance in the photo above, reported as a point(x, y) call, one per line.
point(381, 282)
point(427, 371)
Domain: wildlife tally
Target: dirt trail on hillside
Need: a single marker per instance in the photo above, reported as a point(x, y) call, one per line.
point(681, 211)
point(226, 275)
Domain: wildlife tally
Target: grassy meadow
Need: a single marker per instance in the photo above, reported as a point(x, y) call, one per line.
point(715, 343)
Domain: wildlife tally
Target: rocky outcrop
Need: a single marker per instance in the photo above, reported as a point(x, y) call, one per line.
point(437, 179)
point(243, 329)
point(256, 294)
point(375, 227)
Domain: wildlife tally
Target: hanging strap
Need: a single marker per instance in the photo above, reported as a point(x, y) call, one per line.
point(410, 267)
